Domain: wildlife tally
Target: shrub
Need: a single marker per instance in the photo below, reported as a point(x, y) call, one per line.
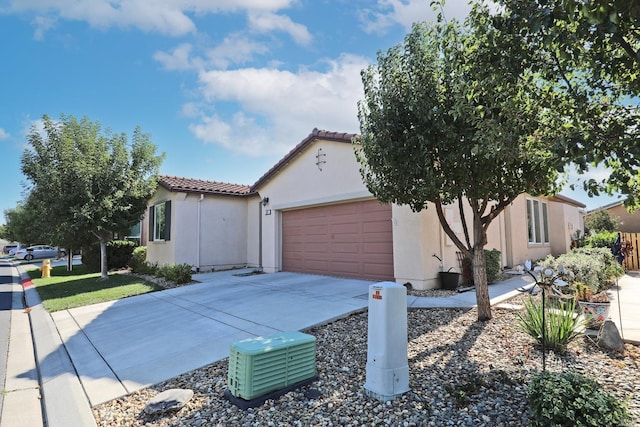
point(595, 267)
point(570, 399)
point(139, 264)
point(492, 260)
point(603, 239)
point(179, 273)
point(119, 253)
point(601, 220)
point(561, 328)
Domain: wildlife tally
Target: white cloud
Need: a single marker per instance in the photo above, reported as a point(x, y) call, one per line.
point(406, 12)
point(3, 134)
point(179, 58)
point(265, 22)
point(234, 49)
point(280, 107)
point(163, 16)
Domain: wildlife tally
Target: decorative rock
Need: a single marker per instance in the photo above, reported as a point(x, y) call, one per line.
point(169, 400)
point(609, 337)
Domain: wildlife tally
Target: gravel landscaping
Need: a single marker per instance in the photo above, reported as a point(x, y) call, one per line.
point(462, 373)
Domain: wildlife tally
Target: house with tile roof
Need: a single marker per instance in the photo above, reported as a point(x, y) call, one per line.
point(200, 223)
point(628, 222)
point(312, 213)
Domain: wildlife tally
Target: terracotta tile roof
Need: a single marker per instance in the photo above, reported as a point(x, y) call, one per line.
point(190, 185)
point(314, 135)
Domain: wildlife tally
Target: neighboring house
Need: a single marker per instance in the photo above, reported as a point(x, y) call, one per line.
point(312, 213)
point(628, 222)
point(201, 223)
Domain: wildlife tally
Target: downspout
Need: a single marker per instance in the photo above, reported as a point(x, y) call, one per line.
point(198, 234)
point(260, 234)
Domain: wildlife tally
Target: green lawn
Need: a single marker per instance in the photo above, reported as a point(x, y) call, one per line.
point(68, 289)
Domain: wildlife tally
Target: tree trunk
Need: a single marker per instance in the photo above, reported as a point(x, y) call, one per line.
point(103, 259)
point(69, 259)
point(480, 279)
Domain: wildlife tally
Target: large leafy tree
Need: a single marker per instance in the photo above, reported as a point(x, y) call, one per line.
point(587, 56)
point(22, 225)
point(89, 183)
point(446, 119)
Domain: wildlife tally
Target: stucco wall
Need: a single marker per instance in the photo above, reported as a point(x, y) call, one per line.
point(216, 238)
point(161, 252)
point(564, 221)
point(520, 246)
point(416, 236)
point(223, 231)
point(629, 222)
point(302, 183)
point(254, 229)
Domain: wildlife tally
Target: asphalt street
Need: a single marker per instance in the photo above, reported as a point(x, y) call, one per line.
point(8, 276)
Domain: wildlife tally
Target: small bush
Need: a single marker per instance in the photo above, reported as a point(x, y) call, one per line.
point(119, 253)
point(139, 264)
point(492, 261)
point(603, 239)
point(561, 328)
point(179, 273)
point(570, 399)
point(595, 267)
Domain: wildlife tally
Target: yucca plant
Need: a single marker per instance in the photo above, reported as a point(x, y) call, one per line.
point(562, 325)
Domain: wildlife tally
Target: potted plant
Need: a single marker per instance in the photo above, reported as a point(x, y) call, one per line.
point(448, 279)
point(594, 305)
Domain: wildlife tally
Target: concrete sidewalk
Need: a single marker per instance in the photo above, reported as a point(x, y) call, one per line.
point(625, 306)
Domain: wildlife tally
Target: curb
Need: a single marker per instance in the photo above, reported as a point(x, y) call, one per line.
point(64, 401)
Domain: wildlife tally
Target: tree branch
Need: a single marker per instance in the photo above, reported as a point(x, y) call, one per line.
point(467, 251)
point(463, 218)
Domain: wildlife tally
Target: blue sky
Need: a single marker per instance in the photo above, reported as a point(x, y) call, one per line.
point(224, 87)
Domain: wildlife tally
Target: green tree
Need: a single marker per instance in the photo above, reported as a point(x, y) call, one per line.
point(92, 183)
point(446, 119)
point(24, 224)
point(587, 55)
point(600, 220)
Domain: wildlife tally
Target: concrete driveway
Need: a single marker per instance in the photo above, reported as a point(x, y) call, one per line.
point(122, 346)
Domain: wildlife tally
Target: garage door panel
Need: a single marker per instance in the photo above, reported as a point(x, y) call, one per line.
point(350, 240)
point(345, 248)
point(377, 248)
point(345, 268)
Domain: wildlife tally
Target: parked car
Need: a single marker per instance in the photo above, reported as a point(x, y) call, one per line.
point(12, 251)
point(38, 251)
point(7, 248)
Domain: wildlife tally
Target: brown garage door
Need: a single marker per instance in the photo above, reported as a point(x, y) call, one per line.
point(345, 240)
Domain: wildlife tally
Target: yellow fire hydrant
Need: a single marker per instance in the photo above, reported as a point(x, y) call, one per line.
point(46, 268)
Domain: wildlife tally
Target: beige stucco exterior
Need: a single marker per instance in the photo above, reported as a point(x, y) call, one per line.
point(564, 219)
point(628, 222)
point(323, 170)
point(207, 231)
point(304, 182)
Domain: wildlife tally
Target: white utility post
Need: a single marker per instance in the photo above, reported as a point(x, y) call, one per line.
point(387, 362)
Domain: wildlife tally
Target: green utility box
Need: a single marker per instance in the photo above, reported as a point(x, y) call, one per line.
point(259, 366)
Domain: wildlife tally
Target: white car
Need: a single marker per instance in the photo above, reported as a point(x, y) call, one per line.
point(38, 251)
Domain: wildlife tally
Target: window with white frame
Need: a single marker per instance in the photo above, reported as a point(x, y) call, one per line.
point(537, 221)
point(160, 221)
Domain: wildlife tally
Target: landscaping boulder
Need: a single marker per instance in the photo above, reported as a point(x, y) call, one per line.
point(609, 337)
point(169, 400)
